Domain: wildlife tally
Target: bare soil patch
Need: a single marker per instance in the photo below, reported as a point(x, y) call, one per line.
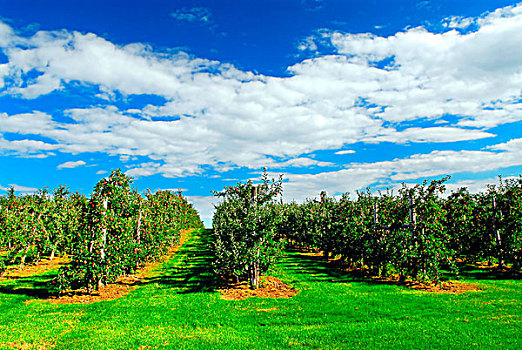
point(270, 287)
point(449, 287)
point(443, 287)
point(41, 267)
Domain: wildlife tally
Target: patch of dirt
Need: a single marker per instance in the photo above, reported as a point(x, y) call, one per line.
point(444, 287)
point(269, 287)
point(449, 287)
point(42, 267)
point(507, 271)
point(121, 287)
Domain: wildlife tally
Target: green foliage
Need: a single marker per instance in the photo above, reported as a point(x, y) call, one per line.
point(486, 225)
point(508, 221)
point(245, 240)
point(37, 225)
point(379, 232)
point(108, 235)
point(105, 243)
point(119, 230)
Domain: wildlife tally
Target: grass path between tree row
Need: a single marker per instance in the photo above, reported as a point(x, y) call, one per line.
point(177, 306)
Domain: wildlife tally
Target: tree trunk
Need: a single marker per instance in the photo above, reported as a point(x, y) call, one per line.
point(22, 261)
point(138, 230)
point(33, 231)
point(254, 275)
point(254, 271)
point(104, 241)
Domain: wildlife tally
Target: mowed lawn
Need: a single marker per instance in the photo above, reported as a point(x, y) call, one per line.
point(178, 307)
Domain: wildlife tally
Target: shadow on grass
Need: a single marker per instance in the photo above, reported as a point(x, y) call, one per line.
point(316, 269)
point(190, 271)
point(489, 273)
point(33, 286)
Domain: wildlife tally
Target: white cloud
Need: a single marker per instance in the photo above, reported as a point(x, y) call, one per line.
point(473, 186)
point(6, 34)
point(26, 148)
point(230, 118)
point(431, 134)
point(19, 188)
point(301, 162)
point(514, 145)
point(347, 151)
point(71, 56)
point(70, 165)
point(205, 207)
point(418, 166)
point(458, 22)
point(4, 71)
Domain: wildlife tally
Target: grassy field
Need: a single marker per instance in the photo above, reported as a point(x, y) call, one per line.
point(178, 307)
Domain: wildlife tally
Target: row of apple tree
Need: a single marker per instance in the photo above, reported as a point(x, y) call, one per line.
point(109, 234)
point(415, 232)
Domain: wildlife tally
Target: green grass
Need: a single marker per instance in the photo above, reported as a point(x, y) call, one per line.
point(178, 307)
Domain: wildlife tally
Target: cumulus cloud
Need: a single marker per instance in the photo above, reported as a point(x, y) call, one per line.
point(4, 71)
point(6, 34)
point(26, 148)
point(431, 135)
point(347, 151)
point(357, 176)
point(301, 162)
point(430, 75)
point(458, 22)
point(372, 89)
point(71, 164)
point(19, 188)
point(205, 207)
point(475, 185)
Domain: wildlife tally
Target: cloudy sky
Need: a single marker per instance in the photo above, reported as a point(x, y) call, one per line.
point(197, 95)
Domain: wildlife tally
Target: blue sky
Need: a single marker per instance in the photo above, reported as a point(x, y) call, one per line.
point(197, 95)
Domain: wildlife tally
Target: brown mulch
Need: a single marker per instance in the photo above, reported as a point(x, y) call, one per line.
point(41, 267)
point(443, 287)
point(449, 287)
point(269, 287)
point(121, 287)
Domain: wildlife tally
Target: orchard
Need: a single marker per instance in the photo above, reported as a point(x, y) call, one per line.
point(414, 234)
point(111, 233)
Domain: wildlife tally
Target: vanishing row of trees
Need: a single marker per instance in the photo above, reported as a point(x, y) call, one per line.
point(109, 234)
point(37, 225)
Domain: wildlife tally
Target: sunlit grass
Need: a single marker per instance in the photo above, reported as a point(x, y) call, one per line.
point(178, 307)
